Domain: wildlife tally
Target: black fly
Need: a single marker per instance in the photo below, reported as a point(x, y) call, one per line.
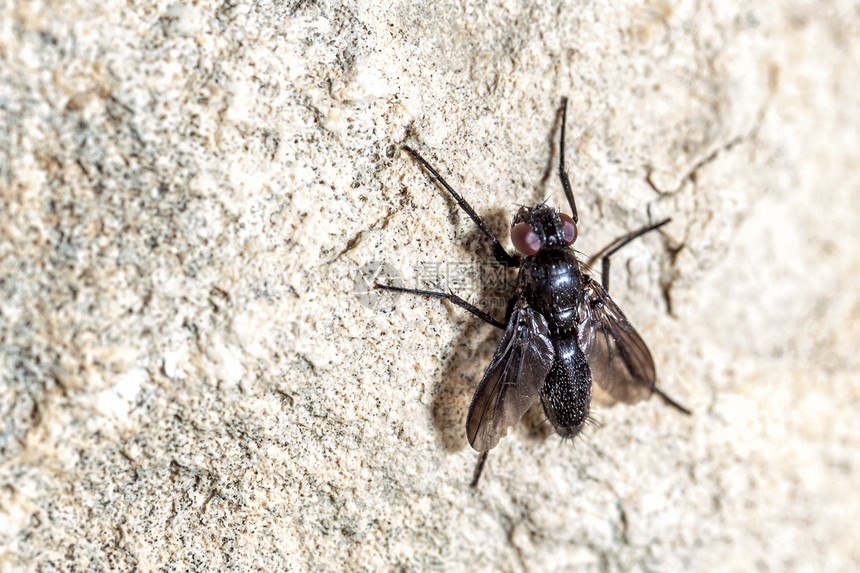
point(562, 331)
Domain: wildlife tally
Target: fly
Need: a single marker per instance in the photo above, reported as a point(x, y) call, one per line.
point(562, 331)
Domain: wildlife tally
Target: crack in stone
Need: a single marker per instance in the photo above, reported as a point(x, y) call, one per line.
point(357, 239)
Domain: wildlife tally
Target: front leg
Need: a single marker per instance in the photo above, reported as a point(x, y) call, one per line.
point(499, 251)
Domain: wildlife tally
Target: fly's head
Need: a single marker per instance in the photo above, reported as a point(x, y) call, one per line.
point(541, 227)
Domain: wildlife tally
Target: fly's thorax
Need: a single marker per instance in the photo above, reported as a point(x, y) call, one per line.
point(552, 281)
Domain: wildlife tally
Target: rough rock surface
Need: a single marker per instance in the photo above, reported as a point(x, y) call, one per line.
point(193, 194)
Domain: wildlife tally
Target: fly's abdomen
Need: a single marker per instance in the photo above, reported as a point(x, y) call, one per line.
point(566, 394)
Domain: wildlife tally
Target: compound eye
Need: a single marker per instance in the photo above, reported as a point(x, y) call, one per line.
point(569, 227)
point(524, 239)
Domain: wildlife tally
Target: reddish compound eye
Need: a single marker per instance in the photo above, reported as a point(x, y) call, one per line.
point(569, 227)
point(524, 239)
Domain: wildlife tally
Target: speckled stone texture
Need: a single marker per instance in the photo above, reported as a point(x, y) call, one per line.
point(194, 196)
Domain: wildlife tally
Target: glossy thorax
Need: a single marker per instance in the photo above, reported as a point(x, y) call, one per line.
point(551, 277)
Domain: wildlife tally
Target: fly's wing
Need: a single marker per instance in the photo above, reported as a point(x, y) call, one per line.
point(620, 361)
point(514, 378)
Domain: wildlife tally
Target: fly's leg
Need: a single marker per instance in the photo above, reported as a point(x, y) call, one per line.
point(449, 297)
point(479, 469)
point(604, 255)
point(615, 246)
point(499, 251)
point(565, 182)
point(670, 401)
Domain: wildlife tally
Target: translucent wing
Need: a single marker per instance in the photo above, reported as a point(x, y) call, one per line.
point(514, 378)
point(620, 361)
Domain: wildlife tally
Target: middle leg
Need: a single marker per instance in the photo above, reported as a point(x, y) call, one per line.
point(449, 297)
point(613, 247)
point(604, 254)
